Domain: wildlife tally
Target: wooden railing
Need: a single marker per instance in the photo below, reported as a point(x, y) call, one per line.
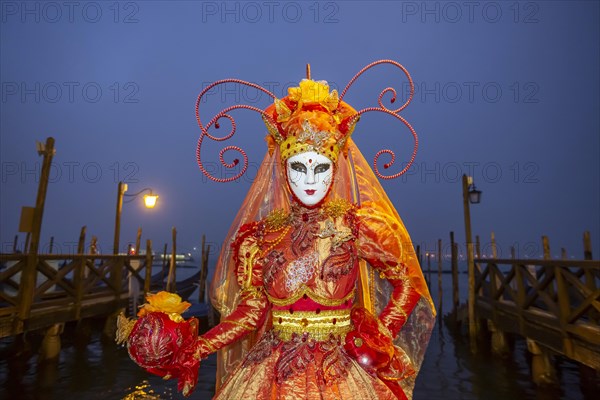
point(553, 302)
point(76, 286)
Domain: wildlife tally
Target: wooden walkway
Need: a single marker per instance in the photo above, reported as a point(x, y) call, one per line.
point(555, 304)
point(38, 291)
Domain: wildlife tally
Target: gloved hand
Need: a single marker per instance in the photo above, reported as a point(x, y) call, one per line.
point(371, 345)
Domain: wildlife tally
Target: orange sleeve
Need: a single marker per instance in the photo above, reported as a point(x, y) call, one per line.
point(253, 306)
point(384, 243)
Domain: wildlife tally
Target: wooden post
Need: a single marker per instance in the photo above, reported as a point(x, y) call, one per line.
point(117, 277)
point(83, 330)
point(512, 252)
point(110, 327)
point(15, 242)
point(27, 241)
point(79, 273)
point(203, 271)
point(499, 341)
point(94, 246)
point(587, 246)
point(51, 245)
point(51, 344)
point(590, 282)
point(564, 301)
point(172, 278)
point(477, 246)
point(164, 265)
point(428, 255)
point(548, 256)
point(440, 311)
point(546, 246)
point(455, 293)
point(419, 254)
point(542, 370)
point(471, 264)
point(497, 280)
point(92, 251)
point(148, 276)
point(138, 239)
point(121, 188)
point(29, 274)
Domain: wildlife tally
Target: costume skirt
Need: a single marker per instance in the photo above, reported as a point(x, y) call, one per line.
point(301, 368)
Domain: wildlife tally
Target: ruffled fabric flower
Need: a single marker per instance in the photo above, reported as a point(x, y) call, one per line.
point(165, 302)
point(311, 91)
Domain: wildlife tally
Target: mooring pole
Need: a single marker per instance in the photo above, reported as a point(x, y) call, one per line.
point(28, 276)
point(470, 262)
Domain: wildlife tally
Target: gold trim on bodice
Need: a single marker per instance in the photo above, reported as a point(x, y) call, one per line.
point(317, 324)
point(305, 290)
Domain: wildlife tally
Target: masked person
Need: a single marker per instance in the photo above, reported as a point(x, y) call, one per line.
point(320, 292)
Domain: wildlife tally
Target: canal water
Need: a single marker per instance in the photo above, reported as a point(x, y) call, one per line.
point(103, 371)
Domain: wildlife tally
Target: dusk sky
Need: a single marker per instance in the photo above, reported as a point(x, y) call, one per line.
point(505, 91)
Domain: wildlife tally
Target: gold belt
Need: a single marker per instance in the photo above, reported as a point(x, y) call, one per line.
point(318, 325)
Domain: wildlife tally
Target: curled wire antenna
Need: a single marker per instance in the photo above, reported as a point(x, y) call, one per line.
point(393, 112)
point(215, 121)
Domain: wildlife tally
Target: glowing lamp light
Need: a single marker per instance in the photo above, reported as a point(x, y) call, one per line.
point(150, 200)
point(474, 195)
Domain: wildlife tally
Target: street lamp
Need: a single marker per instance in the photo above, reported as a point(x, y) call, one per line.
point(474, 194)
point(470, 195)
point(149, 201)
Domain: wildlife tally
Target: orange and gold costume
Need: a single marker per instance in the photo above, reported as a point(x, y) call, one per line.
point(321, 302)
point(298, 274)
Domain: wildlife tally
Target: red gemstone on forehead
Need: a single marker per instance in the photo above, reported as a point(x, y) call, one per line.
point(310, 160)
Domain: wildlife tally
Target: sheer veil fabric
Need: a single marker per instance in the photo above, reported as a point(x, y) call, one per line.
point(355, 182)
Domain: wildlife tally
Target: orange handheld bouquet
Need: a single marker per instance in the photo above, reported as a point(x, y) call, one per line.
point(161, 341)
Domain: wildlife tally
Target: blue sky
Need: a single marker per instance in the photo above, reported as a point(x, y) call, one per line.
point(505, 91)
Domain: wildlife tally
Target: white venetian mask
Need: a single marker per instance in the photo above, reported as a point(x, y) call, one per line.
point(309, 175)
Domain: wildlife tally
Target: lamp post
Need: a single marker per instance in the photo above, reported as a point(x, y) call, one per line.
point(149, 201)
point(470, 195)
point(32, 223)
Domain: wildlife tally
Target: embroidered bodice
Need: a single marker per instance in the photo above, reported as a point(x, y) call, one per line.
point(297, 272)
point(307, 257)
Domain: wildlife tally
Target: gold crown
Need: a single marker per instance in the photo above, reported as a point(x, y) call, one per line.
point(310, 118)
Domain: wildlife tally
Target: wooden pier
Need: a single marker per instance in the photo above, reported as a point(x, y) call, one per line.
point(35, 294)
point(553, 304)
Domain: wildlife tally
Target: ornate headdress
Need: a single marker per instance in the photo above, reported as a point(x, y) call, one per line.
point(310, 117)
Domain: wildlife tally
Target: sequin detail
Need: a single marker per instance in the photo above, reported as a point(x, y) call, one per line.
point(301, 271)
